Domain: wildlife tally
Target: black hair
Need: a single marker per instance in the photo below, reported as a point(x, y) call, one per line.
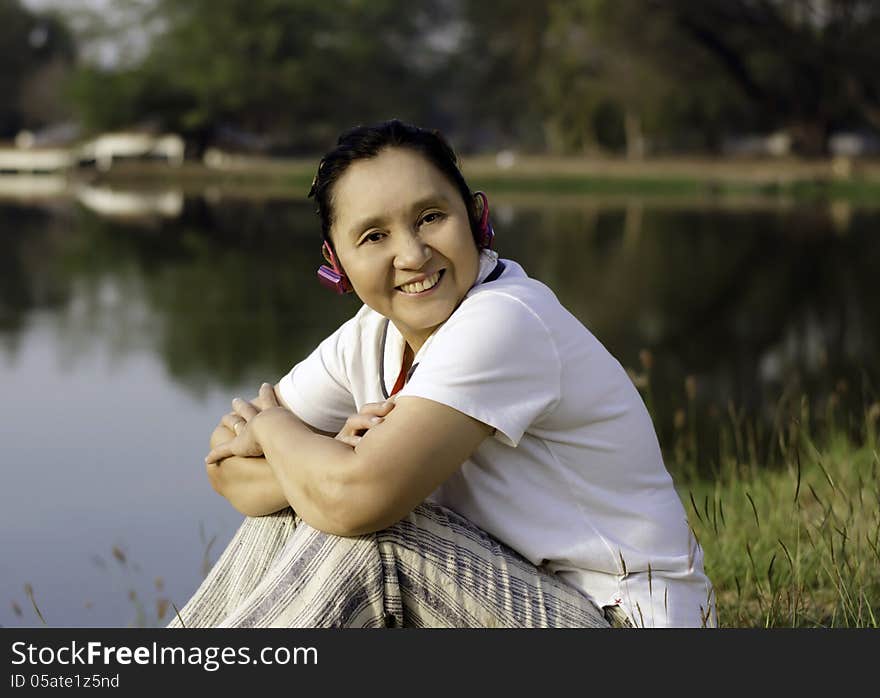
point(364, 142)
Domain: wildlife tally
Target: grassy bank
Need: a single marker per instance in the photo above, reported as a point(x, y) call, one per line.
point(858, 182)
point(792, 546)
point(797, 545)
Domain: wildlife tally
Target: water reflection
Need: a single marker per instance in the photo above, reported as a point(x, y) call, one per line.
point(747, 302)
point(103, 200)
point(134, 330)
point(742, 299)
point(110, 203)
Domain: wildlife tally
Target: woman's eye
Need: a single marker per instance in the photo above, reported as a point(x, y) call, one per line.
point(375, 236)
point(432, 217)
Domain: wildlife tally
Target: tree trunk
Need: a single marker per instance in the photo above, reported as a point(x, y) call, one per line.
point(810, 138)
point(635, 140)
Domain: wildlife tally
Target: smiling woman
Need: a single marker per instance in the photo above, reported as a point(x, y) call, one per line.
point(461, 452)
point(412, 257)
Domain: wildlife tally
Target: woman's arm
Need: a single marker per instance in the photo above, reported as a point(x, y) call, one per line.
point(351, 491)
point(248, 483)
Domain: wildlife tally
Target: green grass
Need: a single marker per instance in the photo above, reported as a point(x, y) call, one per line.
point(797, 545)
point(857, 191)
point(799, 181)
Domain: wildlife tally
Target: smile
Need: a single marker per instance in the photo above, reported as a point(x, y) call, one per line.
point(423, 286)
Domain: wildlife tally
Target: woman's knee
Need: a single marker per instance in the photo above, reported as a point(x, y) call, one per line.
point(428, 515)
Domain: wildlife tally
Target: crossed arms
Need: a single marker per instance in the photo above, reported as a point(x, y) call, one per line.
point(387, 459)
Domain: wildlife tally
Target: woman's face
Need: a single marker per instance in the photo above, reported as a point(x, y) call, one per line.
point(401, 233)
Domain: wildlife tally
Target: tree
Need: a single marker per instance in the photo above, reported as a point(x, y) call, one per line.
point(673, 68)
point(809, 66)
point(624, 75)
point(293, 71)
point(491, 81)
point(34, 51)
point(620, 74)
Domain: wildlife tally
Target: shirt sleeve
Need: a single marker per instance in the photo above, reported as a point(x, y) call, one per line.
point(318, 389)
point(494, 360)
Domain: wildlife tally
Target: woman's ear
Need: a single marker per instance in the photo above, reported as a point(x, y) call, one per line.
point(333, 276)
point(478, 205)
point(331, 257)
point(485, 233)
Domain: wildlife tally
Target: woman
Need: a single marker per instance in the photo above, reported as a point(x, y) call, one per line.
point(462, 452)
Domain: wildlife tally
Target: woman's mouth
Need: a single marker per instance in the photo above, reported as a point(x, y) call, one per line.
point(423, 286)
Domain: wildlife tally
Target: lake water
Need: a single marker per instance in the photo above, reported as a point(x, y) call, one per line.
point(128, 321)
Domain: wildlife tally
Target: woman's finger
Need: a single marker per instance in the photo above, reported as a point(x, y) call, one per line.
point(371, 414)
point(219, 453)
point(360, 422)
point(222, 433)
point(379, 409)
point(244, 409)
point(232, 420)
point(242, 445)
point(267, 396)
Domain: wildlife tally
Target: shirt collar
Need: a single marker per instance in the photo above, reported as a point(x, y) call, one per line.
point(488, 260)
point(392, 341)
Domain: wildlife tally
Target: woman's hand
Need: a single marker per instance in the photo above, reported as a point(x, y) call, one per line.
point(244, 444)
point(357, 425)
point(230, 422)
point(247, 482)
point(266, 399)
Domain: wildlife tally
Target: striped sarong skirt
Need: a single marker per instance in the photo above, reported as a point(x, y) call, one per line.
point(433, 568)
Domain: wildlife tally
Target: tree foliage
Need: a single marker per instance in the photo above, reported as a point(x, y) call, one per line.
point(33, 51)
point(807, 65)
point(633, 76)
point(292, 71)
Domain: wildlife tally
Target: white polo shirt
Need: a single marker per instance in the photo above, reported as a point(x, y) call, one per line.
point(573, 478)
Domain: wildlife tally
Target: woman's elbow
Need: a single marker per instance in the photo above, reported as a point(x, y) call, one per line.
point(325, 504)
point(352, 508)
point(369, 510)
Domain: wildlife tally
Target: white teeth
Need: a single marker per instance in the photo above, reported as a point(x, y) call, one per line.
point(420, 286)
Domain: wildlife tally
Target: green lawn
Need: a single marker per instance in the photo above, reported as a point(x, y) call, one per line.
point(794, 179)
point(796, 545)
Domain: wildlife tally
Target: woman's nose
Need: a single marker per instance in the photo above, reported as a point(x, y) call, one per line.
point(412, 252)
